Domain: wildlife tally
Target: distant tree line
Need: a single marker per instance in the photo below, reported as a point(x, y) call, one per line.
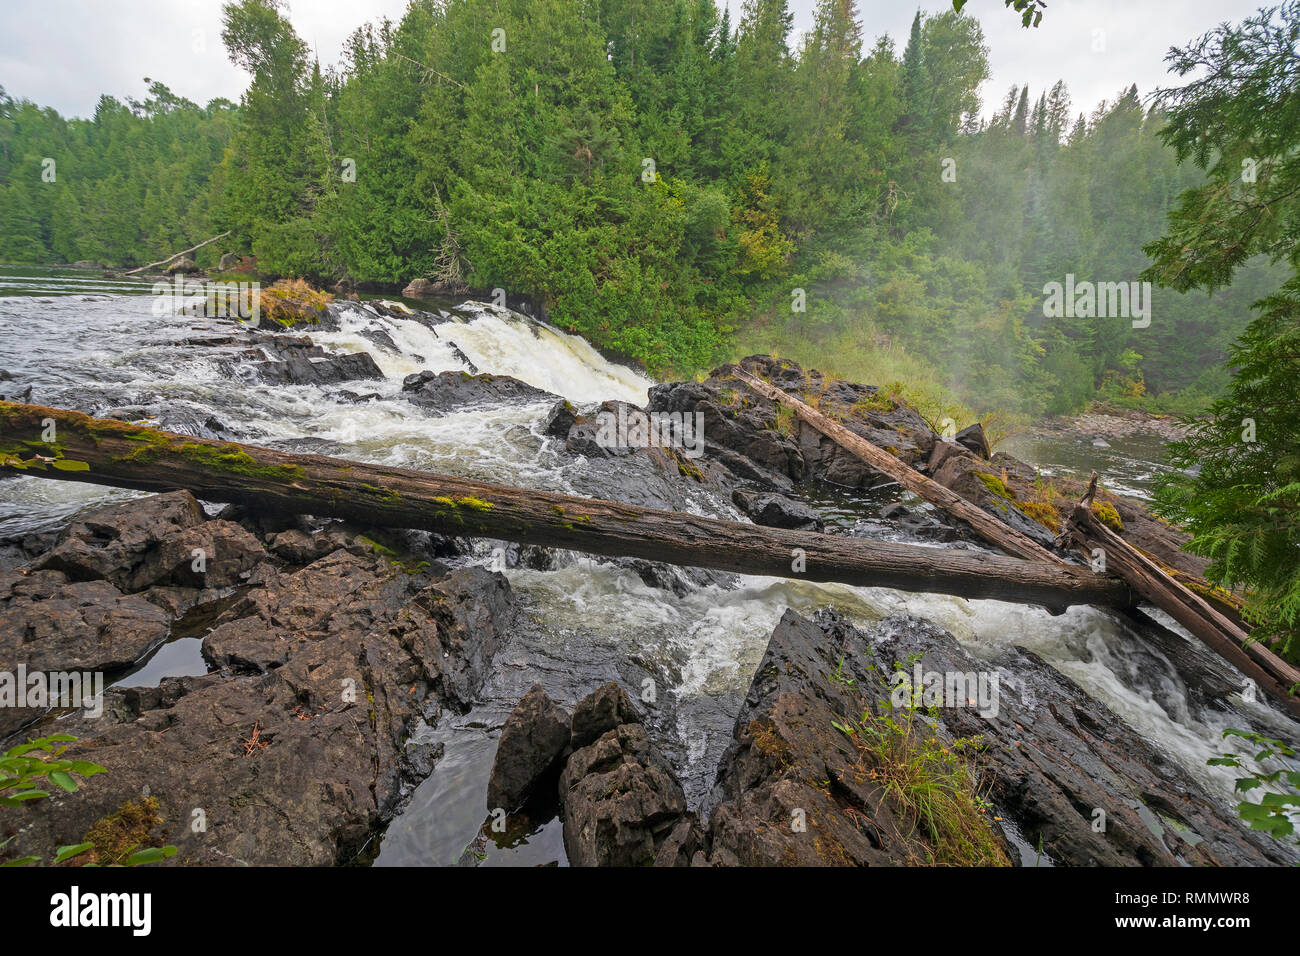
point(669, 183)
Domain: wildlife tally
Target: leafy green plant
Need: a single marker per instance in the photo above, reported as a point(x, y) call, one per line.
point(24, 767)
point(1277, 807)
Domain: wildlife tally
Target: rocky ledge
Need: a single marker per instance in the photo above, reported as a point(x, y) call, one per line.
point(826, 768)
point(326, 652)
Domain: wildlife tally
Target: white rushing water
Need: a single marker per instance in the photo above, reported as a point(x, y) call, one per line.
point(99, 351)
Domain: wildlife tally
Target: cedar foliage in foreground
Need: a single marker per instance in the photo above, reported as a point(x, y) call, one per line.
point(1238, 487)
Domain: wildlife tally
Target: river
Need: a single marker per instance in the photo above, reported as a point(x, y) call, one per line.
point(95, 344)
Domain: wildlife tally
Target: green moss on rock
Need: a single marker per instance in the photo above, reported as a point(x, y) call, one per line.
point(995, 485)
point(1107, 515)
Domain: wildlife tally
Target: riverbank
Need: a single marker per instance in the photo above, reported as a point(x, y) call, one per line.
point(1103, 422)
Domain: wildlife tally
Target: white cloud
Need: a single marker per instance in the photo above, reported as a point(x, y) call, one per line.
point(1136, 33)
point(65, 53)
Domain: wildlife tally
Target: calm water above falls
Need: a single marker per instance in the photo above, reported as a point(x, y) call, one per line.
point(93, 344)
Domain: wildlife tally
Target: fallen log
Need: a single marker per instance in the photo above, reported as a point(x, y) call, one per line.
point(177, 255)
point(988, 527)
point(1272, 674)
point(66, 445)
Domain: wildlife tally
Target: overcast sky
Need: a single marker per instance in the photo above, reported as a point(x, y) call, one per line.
point(65, 53)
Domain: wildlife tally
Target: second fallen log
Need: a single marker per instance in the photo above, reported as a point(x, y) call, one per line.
point(988, 527)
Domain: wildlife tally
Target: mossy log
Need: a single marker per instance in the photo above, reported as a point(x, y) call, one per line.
point(988, 527)
point(65, 445)
point(1223, 636)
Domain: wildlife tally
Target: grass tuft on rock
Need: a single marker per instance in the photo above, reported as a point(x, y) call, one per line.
point(934, 783)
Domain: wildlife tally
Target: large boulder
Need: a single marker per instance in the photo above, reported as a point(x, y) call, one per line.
point(452, 391)
point(777, 511)
point(562, 417)
point(159, 540)
point(748, 434)
point(620, 801)
point(50, 624)
point(601, 711)
point(326, 370)
point(535, 736)
point(972, 438)
point(276, 358)
point(795, 789)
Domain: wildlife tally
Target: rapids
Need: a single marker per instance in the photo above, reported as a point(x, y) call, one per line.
point(94, 344)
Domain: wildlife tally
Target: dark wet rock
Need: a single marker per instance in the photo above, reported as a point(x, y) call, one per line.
point(300, 763)
point(452, 391)
point(130, 413)
point(931, 525)
point(587, 438)
point(531, 556)
point(336, 594)
point(265, 524)
point(972, 438)
point(777, 511)
point(382, 339)
point(354, 398)
point(740, 429)
point(180, 418)
point(14, 392)
point(681, 581)
point(1011, 515)
point(51, 623)
point(462, 358)
point(791, 790)
point(683, 842)
point(329, 370)
point(560, 419)
point(19, 549)
point(746, 433)
point(601, 711)
point(298, 547)
point(274, 356)
point(48, 624)
point(162, 539)
point(1052, 756)
point(620, 801)
point(944, 451)
point(981, 482)
point(667, 478)
point(534, 738)
point(176, 601)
